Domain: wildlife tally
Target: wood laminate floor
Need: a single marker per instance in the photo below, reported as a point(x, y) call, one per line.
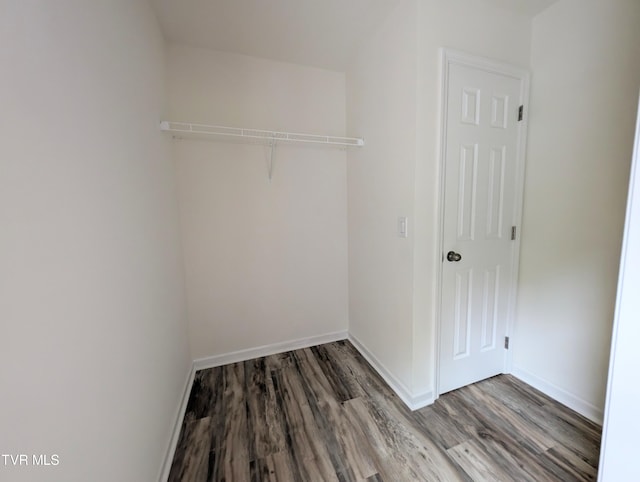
point(323, 413)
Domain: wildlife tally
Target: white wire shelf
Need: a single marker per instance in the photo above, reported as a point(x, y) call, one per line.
point(271, 136)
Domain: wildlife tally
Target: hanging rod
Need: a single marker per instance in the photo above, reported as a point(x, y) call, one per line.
point(202, 129)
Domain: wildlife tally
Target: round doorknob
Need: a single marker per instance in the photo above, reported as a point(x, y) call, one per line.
point(453, 256)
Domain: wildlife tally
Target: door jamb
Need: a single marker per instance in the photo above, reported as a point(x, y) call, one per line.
point(449, 57)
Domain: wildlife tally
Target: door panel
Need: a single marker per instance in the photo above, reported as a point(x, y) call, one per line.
point(481, 155)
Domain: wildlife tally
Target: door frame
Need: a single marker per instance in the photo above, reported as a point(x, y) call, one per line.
point(454, 57)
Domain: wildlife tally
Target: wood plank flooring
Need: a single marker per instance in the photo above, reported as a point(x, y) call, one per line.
point(323, 414)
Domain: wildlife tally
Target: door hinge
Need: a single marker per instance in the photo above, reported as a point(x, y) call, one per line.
point(513, 233)
point(520, 113)
point(506, 342)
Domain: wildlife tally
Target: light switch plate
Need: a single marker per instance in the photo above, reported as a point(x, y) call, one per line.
point(403, 227)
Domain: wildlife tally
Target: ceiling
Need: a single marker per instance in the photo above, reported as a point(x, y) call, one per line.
point(320, 33)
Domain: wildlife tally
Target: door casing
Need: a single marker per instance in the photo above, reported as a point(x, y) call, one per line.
point(450, 57)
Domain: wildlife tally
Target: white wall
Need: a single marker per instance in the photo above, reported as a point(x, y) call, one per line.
point(393, 98)
point(381, 106)
point(266, 261)
point(585, 59)
point(621, 423)
point(93, 352)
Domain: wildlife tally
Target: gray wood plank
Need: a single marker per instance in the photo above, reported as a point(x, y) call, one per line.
point(230, 459)
point(476, 462)
point(264, 422)
point(441, 426)
point(192, 453)
point(343, 437)
point(304, 442)
point(273, 468)
point(398, 443)
point(561, 424)
point(570, 465)
point(511, 421)
point(504, 450)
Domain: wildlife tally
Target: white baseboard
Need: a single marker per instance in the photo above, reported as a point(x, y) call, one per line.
point(572, 401)
point(266, 350)
point(422, 400)
point(414, 402)
point(182, 409)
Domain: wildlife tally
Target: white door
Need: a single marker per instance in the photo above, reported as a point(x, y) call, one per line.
point(482, 169)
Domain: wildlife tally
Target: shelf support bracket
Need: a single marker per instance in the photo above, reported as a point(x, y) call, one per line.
point(272, 145)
